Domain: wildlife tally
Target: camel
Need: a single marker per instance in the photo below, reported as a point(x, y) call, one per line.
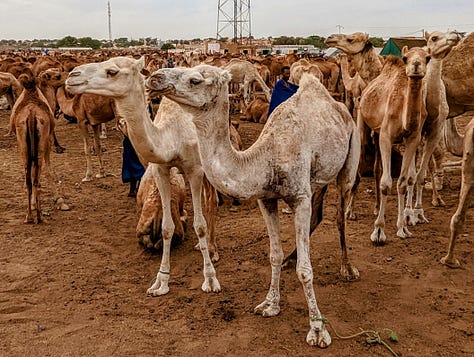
point(9, 87)
point(244, 73)
point(32, 120)
point(309, 141)
point(257, 111)
point(90, 110)
point(439, 45)
point(169, 141)
point(354, 85)
point(151, 210)
point(393, 106)
point(465, 195)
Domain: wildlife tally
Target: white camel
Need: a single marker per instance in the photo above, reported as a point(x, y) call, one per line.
point(169, 141)
point(309, 141)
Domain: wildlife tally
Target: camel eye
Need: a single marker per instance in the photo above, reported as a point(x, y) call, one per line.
point(350, 40)
point(195, 81)
point(434, 38)
point(111, 72)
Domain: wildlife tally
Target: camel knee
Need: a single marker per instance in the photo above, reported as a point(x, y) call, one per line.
point(305, 274)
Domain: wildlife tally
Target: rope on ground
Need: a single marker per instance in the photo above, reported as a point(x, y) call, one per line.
point(372, 337)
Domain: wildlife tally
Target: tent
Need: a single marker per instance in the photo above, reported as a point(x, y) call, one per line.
point(395, 44)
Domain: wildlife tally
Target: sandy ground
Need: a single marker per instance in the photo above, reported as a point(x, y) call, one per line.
point(76, 284)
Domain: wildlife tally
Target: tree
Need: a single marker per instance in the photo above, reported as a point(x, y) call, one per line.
point(68, 41)
point(377, 41)
point(167, 46)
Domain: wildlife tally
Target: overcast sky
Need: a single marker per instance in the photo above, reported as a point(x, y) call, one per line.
point(188, 19)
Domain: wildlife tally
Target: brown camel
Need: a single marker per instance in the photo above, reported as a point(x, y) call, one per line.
point(90, 110)
point(32, 120)
point(465, 195)
point(169, 141)
point(309, 141)
point(151, 211)
point(393, 106)
point(354, 85)
point(10, 87)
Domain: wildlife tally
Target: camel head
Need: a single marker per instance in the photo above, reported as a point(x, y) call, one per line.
point(441, 43)
point(195, 87)
point(416, 60)
point(350, 44)
point(53, 77)
point(111, 78)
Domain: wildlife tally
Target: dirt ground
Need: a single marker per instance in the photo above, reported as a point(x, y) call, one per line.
point(76, 285)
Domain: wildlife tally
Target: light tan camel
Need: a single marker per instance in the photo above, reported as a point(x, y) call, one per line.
point(309, 141)
point(32, 120)
point(393, 106)
point(169, 141)
point(465, 195)
point(354, 85)
point(151, 211)
point(439, 44)
point(244, 74)
point(90, 110)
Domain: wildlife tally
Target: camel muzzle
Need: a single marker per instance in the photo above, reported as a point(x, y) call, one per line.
point(158, 83)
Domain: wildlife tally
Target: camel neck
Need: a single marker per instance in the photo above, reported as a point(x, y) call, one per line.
point(145, 136)
point(367, 63)
point(413, 105)
point(236, 173)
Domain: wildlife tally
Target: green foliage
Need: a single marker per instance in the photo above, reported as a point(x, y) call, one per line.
point(167, 46)
point(314, 40)
point(377, 41)
point(394, 336)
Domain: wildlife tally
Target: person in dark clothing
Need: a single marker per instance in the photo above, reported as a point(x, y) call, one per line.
point(283, 90)
point(132, 168)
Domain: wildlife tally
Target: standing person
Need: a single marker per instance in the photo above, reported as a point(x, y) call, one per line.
point(283, 90)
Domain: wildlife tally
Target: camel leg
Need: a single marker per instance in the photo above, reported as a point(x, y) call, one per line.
point(271, 305)
point(98, 150)
point(408, 212)
point(377, 176)
point(465, 197)
point(406, 179)
point(87, 150)
point(200, 227)
point(346, 180)
point(162, 180)
point(385, 146)
point(318, 335)
point(103, 131)
point(432, 140)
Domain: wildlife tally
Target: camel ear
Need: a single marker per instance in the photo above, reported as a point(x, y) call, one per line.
point(404, 50)
point(366, 37)
point(427, 36)
point(140, 64)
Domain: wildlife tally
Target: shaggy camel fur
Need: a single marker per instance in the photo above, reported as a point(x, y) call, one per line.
point(393, 106)
point(309, 141)
point(465, 195)
point(354, 85)
point(32, 120)
point(304, 66)
point(90, 110)
point(151, 211)
point(170, 141)
point(245, 73)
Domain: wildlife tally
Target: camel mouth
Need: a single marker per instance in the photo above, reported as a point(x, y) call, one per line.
point(70, 84)
point(155, 85)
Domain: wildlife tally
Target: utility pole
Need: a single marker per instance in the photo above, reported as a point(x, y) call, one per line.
point(110, 21)
point(339, 27)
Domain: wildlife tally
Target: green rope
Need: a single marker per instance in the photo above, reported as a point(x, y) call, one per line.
point(372, 337)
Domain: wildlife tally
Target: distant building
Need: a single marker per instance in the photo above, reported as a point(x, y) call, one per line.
point(395, 44)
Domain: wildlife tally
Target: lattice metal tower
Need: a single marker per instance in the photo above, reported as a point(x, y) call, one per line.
point(234, 15)
point(109, 13)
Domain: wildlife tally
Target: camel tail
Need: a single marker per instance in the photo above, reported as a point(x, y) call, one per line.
point(347, 178)
point(32, 142)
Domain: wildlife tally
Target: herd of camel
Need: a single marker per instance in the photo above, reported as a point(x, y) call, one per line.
point(315, 138)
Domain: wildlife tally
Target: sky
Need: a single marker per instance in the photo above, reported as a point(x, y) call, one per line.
point(186, 19)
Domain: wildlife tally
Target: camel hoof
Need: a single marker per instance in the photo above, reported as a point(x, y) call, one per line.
point(420, 216)
point(211, 284)
point(267, 309)
point(318, 336)
point(410, 216)
point(163, 290)
point(403, 233)
point(450, 262)
point(87, 179)
point(438, 202)
point(101, 175)
point(349, 272)
point(215, 257)
point(160, 286)
point(378, 236)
